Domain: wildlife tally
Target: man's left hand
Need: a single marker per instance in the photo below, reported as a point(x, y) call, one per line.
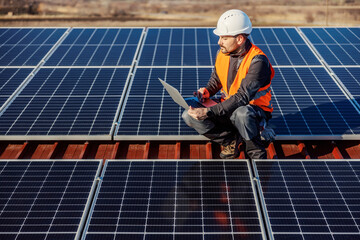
point(198, 113)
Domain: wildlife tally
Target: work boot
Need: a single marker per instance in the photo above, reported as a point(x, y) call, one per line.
point(255, 148)
point(230, 151)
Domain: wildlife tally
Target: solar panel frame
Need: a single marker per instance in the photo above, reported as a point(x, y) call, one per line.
point(253, 187)
point(299, 234)
point(87, 205)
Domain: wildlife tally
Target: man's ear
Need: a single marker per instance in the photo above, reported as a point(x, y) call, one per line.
point(240, 39)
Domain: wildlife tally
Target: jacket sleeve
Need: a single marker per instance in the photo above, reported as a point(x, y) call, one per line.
point(214, 84)
point(257, 77)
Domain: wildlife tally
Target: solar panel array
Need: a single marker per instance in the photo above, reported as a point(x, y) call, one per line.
point(184, 199)
point(45, 199)
point(102, 83)
point(175, 200)
point(310, 199)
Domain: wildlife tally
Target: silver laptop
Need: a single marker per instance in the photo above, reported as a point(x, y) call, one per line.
point(185, 103)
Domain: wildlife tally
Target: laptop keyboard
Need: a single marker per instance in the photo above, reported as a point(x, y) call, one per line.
point(193, 103)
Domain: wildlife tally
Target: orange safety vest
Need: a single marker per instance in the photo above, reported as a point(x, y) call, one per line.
point(263, 96)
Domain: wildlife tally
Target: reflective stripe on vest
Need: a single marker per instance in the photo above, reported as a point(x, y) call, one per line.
point(263, 95)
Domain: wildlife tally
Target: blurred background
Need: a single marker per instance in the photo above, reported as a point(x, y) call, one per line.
point(145, 13)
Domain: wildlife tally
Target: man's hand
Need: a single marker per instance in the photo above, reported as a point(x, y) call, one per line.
point(202, 94)
point(198, 113)
point(268, 134)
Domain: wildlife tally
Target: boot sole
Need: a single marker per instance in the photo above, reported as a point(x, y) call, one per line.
point(222, 156)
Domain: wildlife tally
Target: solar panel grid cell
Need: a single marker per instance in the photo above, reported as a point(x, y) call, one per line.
point(10, 80)
point(310, 200)
point(283, 46)
point(349, 77)
point(337, 46)
point(174, 200)
point(178, 47)
point(27, 46)
point(97, 47)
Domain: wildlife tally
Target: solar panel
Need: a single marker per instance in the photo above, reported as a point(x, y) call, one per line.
point(149, 110)
point(337, 46)
point(309, 104)
point(27, 46)
point(179, 47)
point(349, 77)
point(10, 80)
point(283, 46)
point(97, 47)
point(45, 199)
point(175, 200)
point(310, 199)
point(66, 103)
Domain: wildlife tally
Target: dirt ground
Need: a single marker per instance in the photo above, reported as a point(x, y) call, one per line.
point(260, 15)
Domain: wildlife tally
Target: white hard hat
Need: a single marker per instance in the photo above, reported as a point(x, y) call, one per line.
point(232, 23)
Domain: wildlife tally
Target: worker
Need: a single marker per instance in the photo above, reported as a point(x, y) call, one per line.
point(243, 73)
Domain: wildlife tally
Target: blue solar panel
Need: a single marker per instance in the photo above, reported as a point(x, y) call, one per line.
point(175, 200)
point(66, 101)
point(351, 80)
point(45, 199)
point(310, 199)
point(27, 46)
point(10, 80)
point(149, 110)
point(307, 101)
point(337, 46)
point(97, 47)
point(179, 47)
point(283, 46)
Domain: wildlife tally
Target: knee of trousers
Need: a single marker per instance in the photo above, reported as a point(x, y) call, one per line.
point(187, 119)
point(243, 115)
point(244, 119)
point(201, 126)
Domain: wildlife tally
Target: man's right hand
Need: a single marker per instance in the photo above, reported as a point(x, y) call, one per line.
point(202, 94)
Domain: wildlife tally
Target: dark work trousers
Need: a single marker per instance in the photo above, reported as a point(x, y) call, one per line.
point(243, 123)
